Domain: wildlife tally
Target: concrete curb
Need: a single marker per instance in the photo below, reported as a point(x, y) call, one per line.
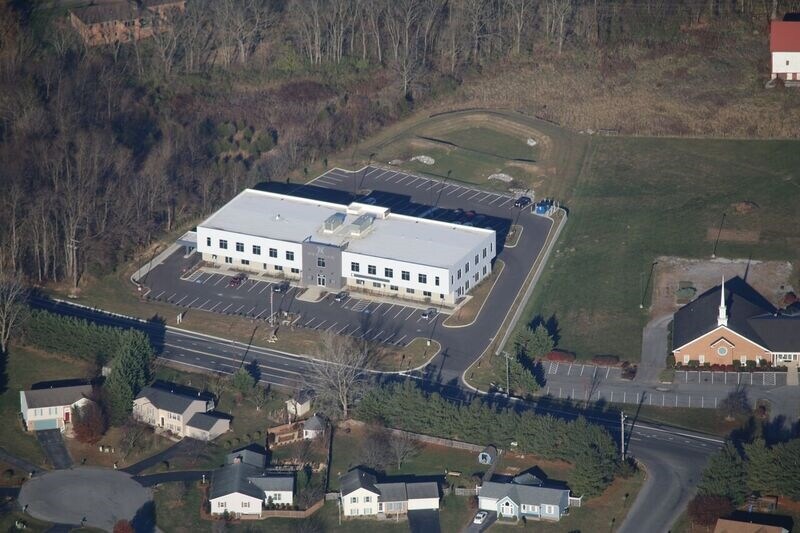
point(444, 325)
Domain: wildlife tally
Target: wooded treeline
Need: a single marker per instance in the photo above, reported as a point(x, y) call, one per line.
point(104, 149)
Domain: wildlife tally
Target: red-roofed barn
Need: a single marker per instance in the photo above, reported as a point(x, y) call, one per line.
point(784, 43)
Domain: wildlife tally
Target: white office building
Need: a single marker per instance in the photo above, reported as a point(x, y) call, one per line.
point(356, 246)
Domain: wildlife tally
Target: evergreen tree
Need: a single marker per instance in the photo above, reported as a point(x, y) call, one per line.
point(725, 476)
point(761, 468)
point(541, 342)
point(117, 398)
point(243, 381)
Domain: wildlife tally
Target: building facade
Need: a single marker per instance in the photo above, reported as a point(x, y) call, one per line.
point(178, 413)
point(358, 246)
point(52, 408)
point(784, 45)
point(362, 496)
point(732, 324)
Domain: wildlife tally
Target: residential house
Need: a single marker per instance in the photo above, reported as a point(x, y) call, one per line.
point(725, 525)
point(362, 495)
point(242, 487)
point(53, 407)
point(733, 324)
point(183, 414)
point(784, 46)
point(314, 427)
point(524, 496)
point(299, 404)
point(121, 21)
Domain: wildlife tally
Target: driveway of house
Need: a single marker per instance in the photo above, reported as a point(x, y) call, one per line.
point(424, 521)
point(478, 528)
point(95, 497)
point(654, 350)
point(52, 442)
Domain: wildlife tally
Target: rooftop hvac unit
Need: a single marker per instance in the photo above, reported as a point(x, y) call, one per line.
point(361, 225)
point(333, 222)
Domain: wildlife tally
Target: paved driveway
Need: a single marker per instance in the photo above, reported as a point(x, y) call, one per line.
point(99, 497)
point(52, 442)
point(654, 350)
point(478, 528)
point(424, 521)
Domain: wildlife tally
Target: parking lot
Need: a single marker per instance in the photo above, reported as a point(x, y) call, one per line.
point(388, 322)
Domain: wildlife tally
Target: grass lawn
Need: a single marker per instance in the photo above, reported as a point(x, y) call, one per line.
point(492, 141)
point(639, 198)
point(27, 366)
point(467, 313)
point(178, 508)
point(708, 420)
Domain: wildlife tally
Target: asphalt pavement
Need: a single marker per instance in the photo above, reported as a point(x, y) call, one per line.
point(52, 442)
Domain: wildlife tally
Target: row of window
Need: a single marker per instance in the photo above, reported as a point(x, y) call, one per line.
point(405, 275)
point(246, 262)
point(379, 285)
point(273, 252)
point(354, 499)
point(50, 411)
point(702, 359)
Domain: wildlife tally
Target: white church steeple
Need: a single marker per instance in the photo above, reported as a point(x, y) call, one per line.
point(722, 319)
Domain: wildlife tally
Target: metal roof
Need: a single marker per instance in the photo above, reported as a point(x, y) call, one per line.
point(56, 396)
point(390, 236)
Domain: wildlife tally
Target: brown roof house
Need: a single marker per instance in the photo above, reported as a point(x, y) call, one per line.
point(111, 22)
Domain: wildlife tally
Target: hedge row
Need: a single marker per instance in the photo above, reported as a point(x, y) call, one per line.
point(75, 336)
point(589, 447)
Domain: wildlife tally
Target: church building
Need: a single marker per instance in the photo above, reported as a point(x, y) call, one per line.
point(733, 322)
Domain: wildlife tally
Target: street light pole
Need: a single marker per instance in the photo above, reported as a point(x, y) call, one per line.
point(508, 381)
point(271, 312)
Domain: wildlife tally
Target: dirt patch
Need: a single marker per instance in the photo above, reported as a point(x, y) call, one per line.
point(745, 236)
point(745, 207)
point(671, 274)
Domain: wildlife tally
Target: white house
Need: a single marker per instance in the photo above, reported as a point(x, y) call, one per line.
point(52, 408)
point(314, 427)
point(183, 414)
point(524, 496)
point(362, 495)
point(784, 45)
point(299, 404)
point(357, 246)
point(242, 487)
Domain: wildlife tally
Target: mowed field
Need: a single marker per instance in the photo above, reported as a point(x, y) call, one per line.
point(638, 198)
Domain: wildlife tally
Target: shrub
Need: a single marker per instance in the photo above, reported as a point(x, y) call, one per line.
point(694, 364)
point(751, 365)
point(605, 360)
point(671, 361)
point(730, 368)
point(560, 356)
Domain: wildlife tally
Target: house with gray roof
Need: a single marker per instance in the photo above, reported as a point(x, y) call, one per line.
point(733, 324)
point(242, 487)
point(179, 412)
point(52, 407)
point(525, 496)
point(314, 427)
point(362, 495)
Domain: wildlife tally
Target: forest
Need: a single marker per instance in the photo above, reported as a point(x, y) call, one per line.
point(105, 149)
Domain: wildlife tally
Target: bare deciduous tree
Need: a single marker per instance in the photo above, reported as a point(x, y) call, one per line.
point(338, 376)
point(403, 447)
point(12, 307)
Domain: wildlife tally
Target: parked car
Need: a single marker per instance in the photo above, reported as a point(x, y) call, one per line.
point(370, 201)
point(480, 517)
point(237, 280)
point(340, 296)
point(429, 313)
point(469, 215)
point(522, 201)
point(281, 287)
point(458, 212)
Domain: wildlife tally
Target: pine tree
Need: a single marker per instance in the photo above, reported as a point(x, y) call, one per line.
point(118, 398)
point(725, 476)
point(243, 381)
point(541, 342)
point(760, 467)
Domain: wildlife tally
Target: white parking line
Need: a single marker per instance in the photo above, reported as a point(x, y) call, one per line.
point(424, 182)
point(331, 326)
point(400, 311)
point(416, 178)
point(504, 203)
point(411, 313)
point(193, 301)
point(320, 324)
point(226, 308)
point(403, 178)
point(493, 201)
point(160, 294)
point(463, 193)
point(435, 183)
point(261, 313)
point(251, 310)
point(389, 309)
point(309, 322)
point(365, 333)
point(376, 309)
point(398, 341)
point(378, 335)
point(221, 277)
point(240, 308)
point(344, 328)
point(265, 287)
point(474, 195)
point(169, 299)
point(373, 169)
point(182, 299)
point(325, 181)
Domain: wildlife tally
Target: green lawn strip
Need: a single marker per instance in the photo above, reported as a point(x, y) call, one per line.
point(641, 198)
point(27, 366)
point(711, 421)
point(492, 141)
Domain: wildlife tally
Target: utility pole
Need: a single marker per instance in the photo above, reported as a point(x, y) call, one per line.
point(622, 433)
point(508, 381)
point(271, 313)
